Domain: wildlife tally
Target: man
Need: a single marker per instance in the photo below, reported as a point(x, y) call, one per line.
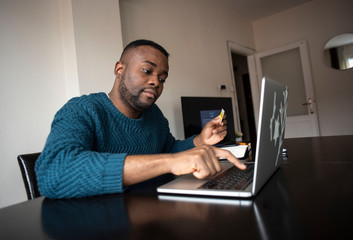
point(101, 143)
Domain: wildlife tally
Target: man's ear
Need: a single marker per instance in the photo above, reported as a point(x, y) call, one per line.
point(119, 69)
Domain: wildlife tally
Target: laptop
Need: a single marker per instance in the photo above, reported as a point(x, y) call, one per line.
point(270, 136)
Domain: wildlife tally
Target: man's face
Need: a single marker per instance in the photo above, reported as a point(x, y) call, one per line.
point(141, 82)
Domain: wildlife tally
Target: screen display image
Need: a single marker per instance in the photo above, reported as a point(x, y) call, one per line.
point(208, 115)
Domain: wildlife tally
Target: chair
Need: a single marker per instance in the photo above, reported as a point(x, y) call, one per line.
point(27, 164)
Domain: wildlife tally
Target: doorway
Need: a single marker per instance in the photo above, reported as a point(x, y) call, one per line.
point(277, 64)
point(244, 96)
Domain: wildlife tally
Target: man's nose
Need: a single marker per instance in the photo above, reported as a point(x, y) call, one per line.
point(154, 80)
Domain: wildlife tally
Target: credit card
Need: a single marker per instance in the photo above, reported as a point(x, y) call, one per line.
point(221, 115)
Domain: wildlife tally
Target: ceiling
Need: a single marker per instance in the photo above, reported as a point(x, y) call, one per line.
point(257, 9)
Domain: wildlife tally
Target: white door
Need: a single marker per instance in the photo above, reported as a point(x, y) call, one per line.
point(290, 65)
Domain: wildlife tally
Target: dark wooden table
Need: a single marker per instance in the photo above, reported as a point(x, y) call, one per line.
point(309, 197)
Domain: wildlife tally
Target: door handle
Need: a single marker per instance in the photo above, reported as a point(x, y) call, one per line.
point(310, 103)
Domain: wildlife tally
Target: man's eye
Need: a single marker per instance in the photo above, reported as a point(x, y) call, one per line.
point(161, 80)
point(146, 71)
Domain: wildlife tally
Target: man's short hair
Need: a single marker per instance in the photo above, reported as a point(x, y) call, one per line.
point(143, 42)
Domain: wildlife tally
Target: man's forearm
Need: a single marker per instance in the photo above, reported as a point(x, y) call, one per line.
point(139, 168)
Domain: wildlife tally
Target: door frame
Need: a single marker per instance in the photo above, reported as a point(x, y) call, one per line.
point(249, 53)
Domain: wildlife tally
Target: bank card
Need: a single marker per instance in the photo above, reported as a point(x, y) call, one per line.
point(221, 115)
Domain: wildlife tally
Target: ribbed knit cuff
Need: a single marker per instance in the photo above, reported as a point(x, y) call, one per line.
point(113, 175)
point(190, 142)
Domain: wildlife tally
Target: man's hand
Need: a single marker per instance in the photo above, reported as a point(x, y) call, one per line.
point(202, 161)
point(213, 132)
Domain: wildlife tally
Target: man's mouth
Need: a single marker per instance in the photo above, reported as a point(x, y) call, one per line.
point(150, 93)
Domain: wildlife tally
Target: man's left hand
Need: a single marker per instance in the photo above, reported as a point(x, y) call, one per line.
point(213, 132)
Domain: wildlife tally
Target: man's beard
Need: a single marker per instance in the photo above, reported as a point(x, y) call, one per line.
point(130, 98)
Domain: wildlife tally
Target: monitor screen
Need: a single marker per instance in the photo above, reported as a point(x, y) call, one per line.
point(197, 111)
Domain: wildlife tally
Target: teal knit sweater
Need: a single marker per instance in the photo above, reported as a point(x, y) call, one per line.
point(89, 140)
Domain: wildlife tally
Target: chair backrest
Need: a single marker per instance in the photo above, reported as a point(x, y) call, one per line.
point(27, 163)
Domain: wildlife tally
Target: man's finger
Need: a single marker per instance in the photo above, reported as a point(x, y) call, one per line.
point(225, 154)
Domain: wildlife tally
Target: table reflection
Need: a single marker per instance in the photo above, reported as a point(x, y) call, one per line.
point(101, 217)
point(145, 216)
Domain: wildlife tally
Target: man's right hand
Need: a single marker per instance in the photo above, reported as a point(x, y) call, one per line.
point(202, 161)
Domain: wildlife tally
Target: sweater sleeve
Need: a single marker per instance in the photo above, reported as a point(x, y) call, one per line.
point(181, 145)
point(68, 167)
point(171, 145)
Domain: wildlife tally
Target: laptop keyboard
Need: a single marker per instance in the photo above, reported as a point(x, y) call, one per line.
point(232, 179)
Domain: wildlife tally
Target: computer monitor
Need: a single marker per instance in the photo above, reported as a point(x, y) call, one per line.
point(197, 111)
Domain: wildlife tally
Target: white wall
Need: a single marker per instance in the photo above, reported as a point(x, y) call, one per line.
point(98, 43)
point(40, 69)
point(31, 84)
point(316, 22)
point(195, 33)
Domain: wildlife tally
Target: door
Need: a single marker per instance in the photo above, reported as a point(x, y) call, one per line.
point(290, 65)
point(244, 101)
